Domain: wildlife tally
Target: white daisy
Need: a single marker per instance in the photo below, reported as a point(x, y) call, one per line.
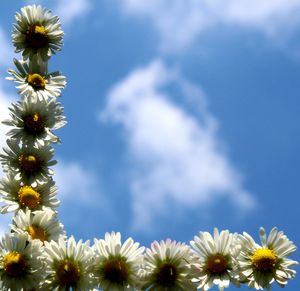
point(68, 265)
point(28, 163)
point(42, 225)
point(17, 195)
point(20, 263)
point(261, 265)
point(116, 264)
point(35, 119)
point(34, 80)
point(167, 267)
point(37, 33)
point(216, 256)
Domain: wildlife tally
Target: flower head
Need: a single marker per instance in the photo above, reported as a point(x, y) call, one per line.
point(261, 265)
point(216, 259)
point(17, 195)
point(34, 120)
point(67, 265)
point(167, 267)
point(29, 163)
point(37, 33)
point(42, 224)
point(116, 264)
point(35, 82)
point(20, 263)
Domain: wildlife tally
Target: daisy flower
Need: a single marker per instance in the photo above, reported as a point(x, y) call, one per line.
point(115, 264)
point(216, 256)
point(35, 82)
point(166, 266)
point(67, 265)
point(20, 263)
point(17, 195)
point(261, 265)
point(37, 33)
point(42, 225)
point(28, 163)
point(35, 119)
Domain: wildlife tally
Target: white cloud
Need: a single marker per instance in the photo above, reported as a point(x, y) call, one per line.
point(6, 49)
point(6, 57)
point(77, 183)
point(180, 22)
point(67, 11)
point(177, 156)
point(4, 103)
point(5, 100)
point(5, 220)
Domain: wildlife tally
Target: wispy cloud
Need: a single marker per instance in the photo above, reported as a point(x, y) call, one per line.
point(5, 97)
point(68, 11)
point(5, 220)
point(5, 100)
point(82, 197)
point(177, 156)
point(6, 56)
point(180, 22)
point(6, 49)
point(77, 184)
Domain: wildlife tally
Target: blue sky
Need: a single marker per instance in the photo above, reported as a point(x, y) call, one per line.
point(182, 115)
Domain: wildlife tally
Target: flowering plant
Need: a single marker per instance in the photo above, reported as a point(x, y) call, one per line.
point(38, 255)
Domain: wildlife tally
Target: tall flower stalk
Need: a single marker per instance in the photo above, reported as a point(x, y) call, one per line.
point(28, 188)
point(37, 254)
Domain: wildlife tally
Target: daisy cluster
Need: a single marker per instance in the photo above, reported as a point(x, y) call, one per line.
point(37, 255)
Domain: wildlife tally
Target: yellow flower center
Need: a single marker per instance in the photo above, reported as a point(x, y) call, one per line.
point(36, 81)
point(29, 163)
point(115, 270)
point(28, 197)
point(68, 273)
point(264, 260)
point(33, 123)
point(36, 36)
point(167, 275)
point(14, 264)
point(217, 264)
point(37, 232)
